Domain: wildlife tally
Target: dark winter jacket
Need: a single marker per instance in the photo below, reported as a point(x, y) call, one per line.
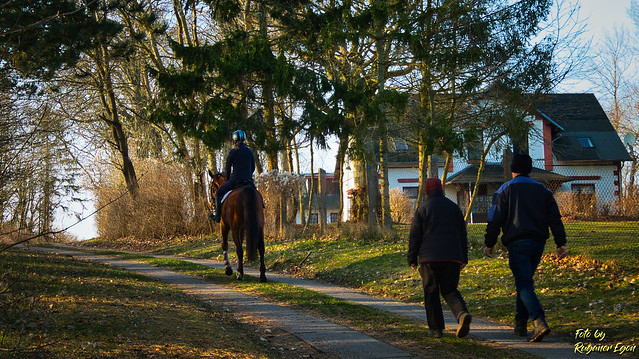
point(524, 209)
point(438, 232)
point(240, 164)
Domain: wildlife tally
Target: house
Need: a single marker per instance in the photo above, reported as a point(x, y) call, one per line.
point(575, 150)
point(330, 203)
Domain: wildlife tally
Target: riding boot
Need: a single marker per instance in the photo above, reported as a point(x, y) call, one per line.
point(215, 216)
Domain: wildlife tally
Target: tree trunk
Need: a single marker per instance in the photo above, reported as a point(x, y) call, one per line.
point(449, 158)
point(339, 169)
point(269, 103)
point(423, 169)
point(480, 173)
point(381, 64)
point(310, 192)
point(111, 117)
point(372, 182)
point(321, 200)
point(383, 165)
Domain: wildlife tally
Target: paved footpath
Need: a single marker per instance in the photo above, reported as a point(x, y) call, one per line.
point(323, 335)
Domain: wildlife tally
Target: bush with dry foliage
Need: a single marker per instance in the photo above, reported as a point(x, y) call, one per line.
point(164, 205)
point(280, 191)
point(577, 206)
point(629, 207)
point(401, 205)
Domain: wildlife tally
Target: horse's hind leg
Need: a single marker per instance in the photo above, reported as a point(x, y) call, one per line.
point(225, 248)
point(261, 250)
point(237, 239)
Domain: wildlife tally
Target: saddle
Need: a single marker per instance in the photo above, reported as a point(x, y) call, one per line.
point(238, 184)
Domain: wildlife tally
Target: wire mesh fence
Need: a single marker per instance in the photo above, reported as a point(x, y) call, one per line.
point(600, 211)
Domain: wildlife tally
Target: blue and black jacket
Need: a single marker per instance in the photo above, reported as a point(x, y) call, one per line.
point(524, 209)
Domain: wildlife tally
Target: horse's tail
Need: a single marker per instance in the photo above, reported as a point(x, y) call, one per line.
point(251, 227)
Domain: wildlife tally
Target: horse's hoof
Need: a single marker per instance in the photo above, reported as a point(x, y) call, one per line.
point(229, 271)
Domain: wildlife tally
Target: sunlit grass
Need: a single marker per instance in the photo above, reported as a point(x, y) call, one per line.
point(595, 287)
point(58, 307)
point(393, 328)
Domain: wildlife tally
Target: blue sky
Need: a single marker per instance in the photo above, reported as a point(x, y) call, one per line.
point(601, 18)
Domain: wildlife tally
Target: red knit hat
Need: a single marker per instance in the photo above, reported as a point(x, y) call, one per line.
point(433, 184)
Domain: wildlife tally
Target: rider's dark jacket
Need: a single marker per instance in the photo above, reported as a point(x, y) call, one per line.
point(240, 165)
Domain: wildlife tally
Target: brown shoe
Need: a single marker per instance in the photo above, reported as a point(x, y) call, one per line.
point(540, 330)
point(464, 325)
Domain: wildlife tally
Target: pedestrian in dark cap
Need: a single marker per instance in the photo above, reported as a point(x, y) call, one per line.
point(523, 210)
point(439, 245)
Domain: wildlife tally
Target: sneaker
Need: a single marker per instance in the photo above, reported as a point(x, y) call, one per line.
point(438, 333)
point(540, 330)
point(464, 325)
point(521, 327)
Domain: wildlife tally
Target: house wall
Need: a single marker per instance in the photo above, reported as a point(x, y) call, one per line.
point(329, 213)
point(603, 177)
point(537, 144)
point(349, 183)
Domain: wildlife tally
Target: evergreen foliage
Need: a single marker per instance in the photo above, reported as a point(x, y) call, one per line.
point(39, 37)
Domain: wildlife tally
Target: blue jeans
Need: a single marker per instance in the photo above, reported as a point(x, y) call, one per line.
point(524, 256)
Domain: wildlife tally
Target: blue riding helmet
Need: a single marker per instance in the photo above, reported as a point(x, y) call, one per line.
point(239, 136)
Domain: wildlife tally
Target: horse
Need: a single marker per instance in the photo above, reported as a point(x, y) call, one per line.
point(242, 214)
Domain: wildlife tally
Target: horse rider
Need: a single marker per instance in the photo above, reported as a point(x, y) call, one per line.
point(240, 165)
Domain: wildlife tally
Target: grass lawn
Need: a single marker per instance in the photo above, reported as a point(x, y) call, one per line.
point(594, 288)
point(407, 334)
point(58, 307)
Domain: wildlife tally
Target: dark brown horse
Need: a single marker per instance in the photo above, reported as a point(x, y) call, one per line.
point(242, 215)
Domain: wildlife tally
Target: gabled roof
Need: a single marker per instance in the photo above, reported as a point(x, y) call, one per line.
point(494, 173)
point(576, 118)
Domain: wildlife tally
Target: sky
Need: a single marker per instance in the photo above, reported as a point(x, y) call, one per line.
point(603, 15)
point(600, 17)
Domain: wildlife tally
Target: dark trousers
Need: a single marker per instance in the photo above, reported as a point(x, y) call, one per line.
point(441, 277)
point(524, 256)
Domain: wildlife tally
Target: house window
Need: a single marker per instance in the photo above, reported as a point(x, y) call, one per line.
point(411, 192)
point(584, 189)
point(586, 142)
point(482, 190)
point(584, 196)
point(313, 219)
point(334, 217)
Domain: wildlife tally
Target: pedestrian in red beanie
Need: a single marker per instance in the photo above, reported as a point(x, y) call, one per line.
point(438, 243)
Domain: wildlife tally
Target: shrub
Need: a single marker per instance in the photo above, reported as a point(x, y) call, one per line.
point(576, 206)
point(628, 207)
point(163, 207)
point(401, 205)
point(280, 190)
